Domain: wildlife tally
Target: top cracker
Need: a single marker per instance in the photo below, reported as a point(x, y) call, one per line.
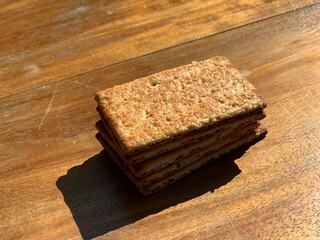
point(164, 105)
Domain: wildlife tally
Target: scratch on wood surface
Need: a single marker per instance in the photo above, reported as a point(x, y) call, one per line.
point(72, 13)
point(32, 69)
point(231, 223)
point(313, 30)
point(109, 12)
point(246, 73)
point(47, 111)
point(81, 84)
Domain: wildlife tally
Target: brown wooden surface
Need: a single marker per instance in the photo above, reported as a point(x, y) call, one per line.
point(46, 41)
point(55, 182)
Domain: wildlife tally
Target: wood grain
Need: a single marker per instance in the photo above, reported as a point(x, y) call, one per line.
point(47, 41)
point(55, 183)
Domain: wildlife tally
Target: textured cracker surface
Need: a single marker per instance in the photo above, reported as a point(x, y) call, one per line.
point(166, 104)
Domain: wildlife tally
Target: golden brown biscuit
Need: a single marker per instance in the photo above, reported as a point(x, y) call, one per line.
point(173, 102)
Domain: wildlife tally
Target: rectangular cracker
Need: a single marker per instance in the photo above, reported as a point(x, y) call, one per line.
point(184, 153)
point(173, 102)
point(177, 159)
point(167, 180)
point(176, 142)
point(206, 148)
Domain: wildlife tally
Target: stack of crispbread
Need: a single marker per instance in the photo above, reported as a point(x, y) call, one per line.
point(160, 128)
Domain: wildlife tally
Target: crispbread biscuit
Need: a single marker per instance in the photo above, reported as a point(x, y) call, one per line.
point(167, 180)
point(178, 142)
point(178, 158)
point(184, 154)
point(196, 152)
point(161, 106)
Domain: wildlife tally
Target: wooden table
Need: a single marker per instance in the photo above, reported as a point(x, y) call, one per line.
point(56, 183)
